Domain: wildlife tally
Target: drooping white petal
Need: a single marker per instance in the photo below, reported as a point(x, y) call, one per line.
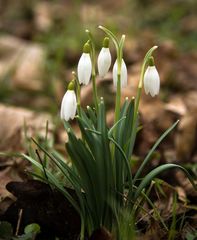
point(68, 105)
point(123, 77)
point(104, 61)
point(84, 68)
point(151, 81)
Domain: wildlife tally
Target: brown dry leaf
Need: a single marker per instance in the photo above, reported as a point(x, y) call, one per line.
point(176, 105)
point(181, 194)
point(170, 155)
point(164, 204)
point(177, 71)
point(24, 61)
point(46, 12)
point(190, 99)
point(29, 70)
point(10, 50)
point(186, 75)
point(92, 14)
point(185, 138)
point(185, 184)
point(153, 111)
point(43, 16)
point(155, 120)
point(154, 232)
point(12, 126)
point(7, 175)
point(190, 227)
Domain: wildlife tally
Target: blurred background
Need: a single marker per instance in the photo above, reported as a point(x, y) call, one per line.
point(41, 42)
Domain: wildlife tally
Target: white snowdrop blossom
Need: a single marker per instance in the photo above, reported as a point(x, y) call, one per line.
point(84, 68)
point(104, 61)
point(151, 81)
point(123, 74)
point(69, 105)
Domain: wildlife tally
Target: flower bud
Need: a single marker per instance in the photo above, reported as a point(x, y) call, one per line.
point(151, 79)
point(69, 103)
point(123, 74)
point(104, 58)
point(84, 68)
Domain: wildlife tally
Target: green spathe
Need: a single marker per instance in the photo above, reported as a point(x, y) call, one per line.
point(151, 61)
point(86, 48)
point(71, 85)
point(106, 42)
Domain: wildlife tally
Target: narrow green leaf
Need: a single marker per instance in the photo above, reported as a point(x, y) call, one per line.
point(148, 178)
point(86, 119)
point(84, 163)
point(60, 163)
point(92, 115)
point(126, 164)
point(110, 132)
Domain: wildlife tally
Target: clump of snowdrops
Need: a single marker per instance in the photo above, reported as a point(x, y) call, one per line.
point(108, 195)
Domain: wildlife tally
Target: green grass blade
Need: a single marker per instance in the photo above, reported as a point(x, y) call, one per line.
point(155, 210)
point(172, 232)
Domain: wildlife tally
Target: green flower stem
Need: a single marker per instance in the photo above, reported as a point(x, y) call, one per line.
point(82, 233)
point(139, 90)
point(119, 47)
point(95, 95)
point(78, 93)
point(93, 57)
point(140, 85)
point(137, 101)
point(118, 90)
point(118, 98)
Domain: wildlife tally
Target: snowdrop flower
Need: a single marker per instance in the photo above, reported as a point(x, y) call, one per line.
point(123, 74)
point(84, 68)
point(104, 58)
point(151, 79)
point(69, 103)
